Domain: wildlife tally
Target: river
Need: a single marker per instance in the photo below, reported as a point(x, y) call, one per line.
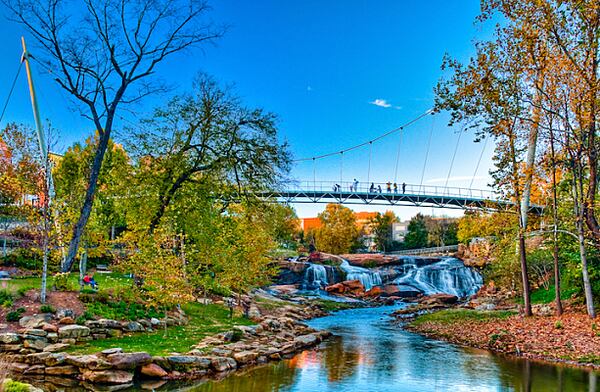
point(369, 353)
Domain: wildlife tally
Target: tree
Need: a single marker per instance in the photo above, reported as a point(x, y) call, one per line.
point(338, 232)
point(381, 227)
point(417, 235)
point(104, 54)
point(210, 137)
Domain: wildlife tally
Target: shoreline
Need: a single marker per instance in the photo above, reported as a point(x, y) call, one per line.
point(492, 335)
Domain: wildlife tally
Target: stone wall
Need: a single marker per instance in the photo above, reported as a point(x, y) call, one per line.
point(274, 338)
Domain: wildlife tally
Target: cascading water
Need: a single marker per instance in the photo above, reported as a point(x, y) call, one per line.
point(449, 276)
point(368, 278)
point(315, 277)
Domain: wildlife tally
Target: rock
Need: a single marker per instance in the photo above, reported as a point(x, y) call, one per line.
point(62, 313)
point(306, 340)
point(55, 359)
point(35, 369)
point(153, 370)
point(11, 347)
point(66, 320)
point(9, 338)
point(35, 344)
point(67, 370)
point(56, 347)
point(35, 332)
point(438, 299)
point(155, 322)
point(110, 351)
point(35, 321)
point(220, 364)
point(152, 385)
point(103, 323)
point(108, 376)
point(485, 307)
point(400, 290)
point(253, 312)
point(50, 327)
point(133, 326)
point(88, 362)
point(244, 357)
point(36, 359)
point(18, 367)
point(73, 332)
point(128, 361)
point(348, 287)
point(374, 292)
point(185, 362)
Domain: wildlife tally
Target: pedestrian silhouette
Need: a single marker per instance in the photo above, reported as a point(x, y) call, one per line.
point(372, 188)
point(395, 188)
point(389, 187)
point(379, 188)
point(403, 187)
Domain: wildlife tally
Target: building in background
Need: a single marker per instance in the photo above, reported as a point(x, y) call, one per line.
point(399, 230)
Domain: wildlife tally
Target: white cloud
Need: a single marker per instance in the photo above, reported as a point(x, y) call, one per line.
point(382, 103)
point(454, 179)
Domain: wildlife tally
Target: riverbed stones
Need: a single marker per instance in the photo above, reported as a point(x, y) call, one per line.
point(306, 340)
point(73, 332)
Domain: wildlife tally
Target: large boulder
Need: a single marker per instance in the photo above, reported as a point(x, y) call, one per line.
point(306, 340)
point(56, 347)
point(108, 376)
point(374, 292)
point(67, 370)
point(73, 332)
point(347, 287)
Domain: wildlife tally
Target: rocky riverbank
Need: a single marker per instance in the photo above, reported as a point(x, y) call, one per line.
point(278, 333)
point(571, 339)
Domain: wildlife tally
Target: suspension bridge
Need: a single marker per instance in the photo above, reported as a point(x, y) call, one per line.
point(391, 193)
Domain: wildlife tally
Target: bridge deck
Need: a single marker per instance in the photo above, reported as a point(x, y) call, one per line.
point(414, 195)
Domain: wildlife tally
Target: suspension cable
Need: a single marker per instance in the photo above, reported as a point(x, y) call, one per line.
point(427, 153)
point(12, 88)
point(341, 170)
point(453, 157)
point(390, 132)
point(478, 162)
point(398, 156)
point(369, 169)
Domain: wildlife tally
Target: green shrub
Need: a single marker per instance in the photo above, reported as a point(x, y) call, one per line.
point(61, 282)
point(47, 309)
point(21, 291)
point(15, 386)
point(6, 298)
point(24, 258)
point(15, 315)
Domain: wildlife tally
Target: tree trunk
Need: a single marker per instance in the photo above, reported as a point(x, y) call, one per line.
point(524, 275)
point(559, 309)
point(86, 209)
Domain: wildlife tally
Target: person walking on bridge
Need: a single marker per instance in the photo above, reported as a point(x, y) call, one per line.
point(395, 188)
point(372, 188)
point(355, 183)
point(379, 188)
point(404, 187)
point(389, 187)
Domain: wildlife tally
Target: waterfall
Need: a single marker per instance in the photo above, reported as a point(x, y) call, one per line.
point(315, 277)
point(449, 276)
point(368, 278)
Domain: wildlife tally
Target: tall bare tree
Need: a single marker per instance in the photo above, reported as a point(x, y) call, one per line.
point(104, 53)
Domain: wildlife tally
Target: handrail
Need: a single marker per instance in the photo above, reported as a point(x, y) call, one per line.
point(421, 251)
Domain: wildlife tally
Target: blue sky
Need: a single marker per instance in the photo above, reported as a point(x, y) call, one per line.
point(321, 66)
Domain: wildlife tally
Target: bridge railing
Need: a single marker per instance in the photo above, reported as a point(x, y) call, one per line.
point(375, 188)
point(425, 251)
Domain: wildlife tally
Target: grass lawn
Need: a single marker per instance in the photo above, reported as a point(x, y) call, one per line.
point(453, 315)
point(105, 281)
point(543, 296)
point(204, 320)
